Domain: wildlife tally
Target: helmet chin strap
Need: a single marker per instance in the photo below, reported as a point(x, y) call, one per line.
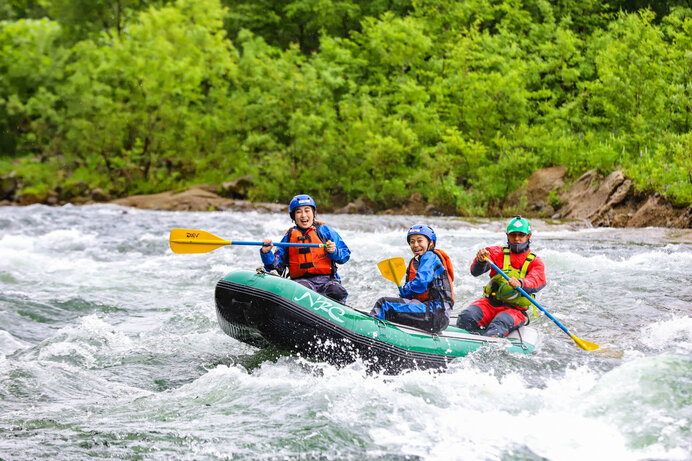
point(518, 248)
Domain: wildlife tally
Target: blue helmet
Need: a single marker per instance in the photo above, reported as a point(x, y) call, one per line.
point(421, 229)
point(301, 200)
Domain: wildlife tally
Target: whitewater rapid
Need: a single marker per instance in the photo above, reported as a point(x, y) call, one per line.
point(109, 348)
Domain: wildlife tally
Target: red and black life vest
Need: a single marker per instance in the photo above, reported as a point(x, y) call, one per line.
point(442, 286)
point(304, 261)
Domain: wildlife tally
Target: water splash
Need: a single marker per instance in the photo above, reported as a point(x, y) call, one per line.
point(109, 347)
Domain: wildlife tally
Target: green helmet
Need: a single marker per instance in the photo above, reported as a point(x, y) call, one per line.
point(519, 224)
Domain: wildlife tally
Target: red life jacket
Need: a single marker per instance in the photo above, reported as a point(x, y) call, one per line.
point(304, 261)
point(442, 286)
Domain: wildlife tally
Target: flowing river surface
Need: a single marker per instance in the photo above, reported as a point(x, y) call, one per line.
point(110, 348)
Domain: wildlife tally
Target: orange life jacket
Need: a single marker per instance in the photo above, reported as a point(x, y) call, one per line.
point(442, 287)
point(304, 261)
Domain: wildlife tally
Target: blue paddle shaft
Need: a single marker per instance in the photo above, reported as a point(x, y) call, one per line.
point(533, 301)
point(280, 244)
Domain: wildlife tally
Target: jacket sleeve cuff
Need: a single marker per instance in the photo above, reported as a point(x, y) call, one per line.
point(267, 258)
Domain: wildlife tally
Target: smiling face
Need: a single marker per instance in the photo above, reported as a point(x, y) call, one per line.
point(304, 216)
point(419, 244)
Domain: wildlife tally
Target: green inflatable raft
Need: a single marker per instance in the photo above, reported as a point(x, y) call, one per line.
point(263, 310)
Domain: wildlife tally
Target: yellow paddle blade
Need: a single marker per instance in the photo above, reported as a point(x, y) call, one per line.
point(587, 346)
point(393, 269)
point(194, 241)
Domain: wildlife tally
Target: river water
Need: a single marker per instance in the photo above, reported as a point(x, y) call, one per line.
point(109, 348)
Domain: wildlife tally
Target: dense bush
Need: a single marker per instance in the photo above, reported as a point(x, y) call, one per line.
point(457, 101)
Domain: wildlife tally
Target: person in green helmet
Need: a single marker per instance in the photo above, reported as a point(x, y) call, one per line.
point(502, 308)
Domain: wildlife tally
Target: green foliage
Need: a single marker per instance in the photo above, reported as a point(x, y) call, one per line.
point(133, 107)
point(30, 63)
point(33, 173)
point(554, 199)
point(456, 101)
point(629, 93)
point(660, 8)
point(304, 22)
point(667, 169)
point(12, 10)
point(82, 19)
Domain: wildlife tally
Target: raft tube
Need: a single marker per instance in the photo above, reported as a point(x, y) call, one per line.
point(263, 310)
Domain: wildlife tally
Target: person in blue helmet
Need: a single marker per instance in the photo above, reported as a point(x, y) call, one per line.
point(502, 308)
point(312, 267)
point(427, 297)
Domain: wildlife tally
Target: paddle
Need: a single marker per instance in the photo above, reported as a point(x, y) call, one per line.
point(587, 346)
point(199, 241)
point(393, 269)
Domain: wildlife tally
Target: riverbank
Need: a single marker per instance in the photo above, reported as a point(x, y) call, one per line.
point(594, 199)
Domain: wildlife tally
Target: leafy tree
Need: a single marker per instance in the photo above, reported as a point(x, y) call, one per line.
point(135, 107)
point(30, 63)
point(457, 101)
point(678, 29)
point(660, 8)
point(303, 22)
point(630, 92)
point(21, 9)
point(83, 18)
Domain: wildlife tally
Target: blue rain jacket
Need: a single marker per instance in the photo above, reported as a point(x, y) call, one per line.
point(278, 259)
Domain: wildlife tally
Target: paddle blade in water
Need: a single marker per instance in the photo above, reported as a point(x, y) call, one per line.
point(194, 241)
point(393, 269)
point(587, 346)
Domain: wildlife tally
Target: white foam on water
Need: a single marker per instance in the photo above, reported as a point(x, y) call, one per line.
point(647, 398)
point(9, 343)
point(128, 350)
point(87, 344)
point(420, 414)
point(672, 334)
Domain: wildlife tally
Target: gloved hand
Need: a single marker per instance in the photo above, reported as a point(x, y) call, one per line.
point(401, 292)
